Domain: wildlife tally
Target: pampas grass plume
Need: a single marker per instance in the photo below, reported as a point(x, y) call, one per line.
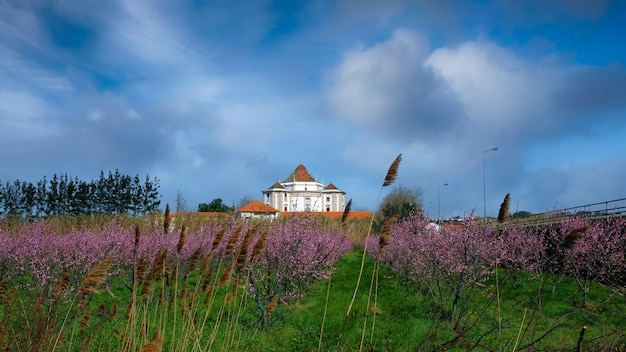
point(573, 237)
point(259, 247)
point(96, 276)
point(181, 239)
point(166, 219)
point(504, 208)
point(272, 306)
point(155, 345)
point(385, 232)
point(346, 211)
point(392, 173)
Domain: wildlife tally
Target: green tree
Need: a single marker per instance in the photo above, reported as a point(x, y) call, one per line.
point(401, 201)
point(216, 205)
point(520, 214)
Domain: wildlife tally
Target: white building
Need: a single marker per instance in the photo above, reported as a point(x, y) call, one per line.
point(301, 192)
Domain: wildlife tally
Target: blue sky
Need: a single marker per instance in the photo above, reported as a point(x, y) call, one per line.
point(220, 99)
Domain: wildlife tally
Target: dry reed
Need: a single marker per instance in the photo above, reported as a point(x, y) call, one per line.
point(181, 239)
point(242, 255)
point(96, 277)
point(155, 345)
point(503, 214)
point(573, 237)
point(232, 242)
point(392, 173)
point(166, 219)
point(271, 306)
point(346, 211)
point(385, 232)
point(227, 274)
point(259, 246)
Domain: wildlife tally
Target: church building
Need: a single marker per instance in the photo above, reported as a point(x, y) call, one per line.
point(300, 192)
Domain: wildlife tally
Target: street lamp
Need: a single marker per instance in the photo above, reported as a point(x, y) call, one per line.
point(485, 184)
point(439, 202)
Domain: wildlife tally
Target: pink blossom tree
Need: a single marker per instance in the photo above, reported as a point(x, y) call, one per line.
point(297, 251)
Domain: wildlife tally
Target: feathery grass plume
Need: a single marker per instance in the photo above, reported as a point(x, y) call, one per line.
point(3, 285)
point(228, 272)
point(346, 211)
point(207, 280)
point(155, 345)
point(216, 242)
point(195, 257)
point(392, 173)
point(204, 264)
point(101, 309)
point(385, 232)
point(8, 300)
point(503, 214)
point(573, 237)
point(259, 247)
point(145, 289)
point(84, 321)
point(181, 239)
point(60, 286)
point(141, 268)
point(137, 237)
point(218, 239)
point(87, 344)
point(242, 255)
point(232, 242)
point(166, 219)
point(113, 312)
point(271, 307)
point(158, 265)
point(4, 332)
point(95, 277)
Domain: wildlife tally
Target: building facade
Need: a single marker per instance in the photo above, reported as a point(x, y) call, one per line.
point(257, 210)
point(300, 192)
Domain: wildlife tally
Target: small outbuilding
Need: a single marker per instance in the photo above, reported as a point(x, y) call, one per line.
point(257, 210)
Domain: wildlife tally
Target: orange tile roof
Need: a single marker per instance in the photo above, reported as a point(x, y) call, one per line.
point(277, 185)
point(201, 213)
point(256, 207)
point(300, 174)
point(331, 186)
point(331, 214)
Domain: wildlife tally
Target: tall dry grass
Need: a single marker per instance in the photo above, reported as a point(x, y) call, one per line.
point(390, 177)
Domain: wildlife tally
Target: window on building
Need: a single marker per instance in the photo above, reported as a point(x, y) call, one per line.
point(327, 198)
point(327, 208)
point(307, 204)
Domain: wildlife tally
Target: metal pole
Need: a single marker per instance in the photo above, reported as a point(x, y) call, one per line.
point(439, 202)
point(485, 184)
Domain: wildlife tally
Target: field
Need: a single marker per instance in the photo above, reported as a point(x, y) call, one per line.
point(309, 284)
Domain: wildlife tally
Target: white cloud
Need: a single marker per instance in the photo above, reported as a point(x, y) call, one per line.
point(388, 88)
point(24, 116)
point(94, 115)
point(133, 115)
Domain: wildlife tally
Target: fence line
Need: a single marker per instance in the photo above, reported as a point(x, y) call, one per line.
point(615, 207)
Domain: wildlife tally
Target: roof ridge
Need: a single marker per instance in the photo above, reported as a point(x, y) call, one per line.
point(300, 174)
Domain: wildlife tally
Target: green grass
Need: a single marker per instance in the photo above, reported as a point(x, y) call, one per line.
point(407, 319)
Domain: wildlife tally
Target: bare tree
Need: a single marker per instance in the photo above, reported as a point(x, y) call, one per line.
point(245, 200)
point(181, 202)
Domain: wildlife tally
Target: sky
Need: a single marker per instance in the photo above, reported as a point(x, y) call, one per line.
point(220, 99)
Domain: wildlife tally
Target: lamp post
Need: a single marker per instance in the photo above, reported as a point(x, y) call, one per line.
point(439, 202)
point(485, 184)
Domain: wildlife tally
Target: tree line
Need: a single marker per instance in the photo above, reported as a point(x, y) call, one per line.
point(114, 193)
